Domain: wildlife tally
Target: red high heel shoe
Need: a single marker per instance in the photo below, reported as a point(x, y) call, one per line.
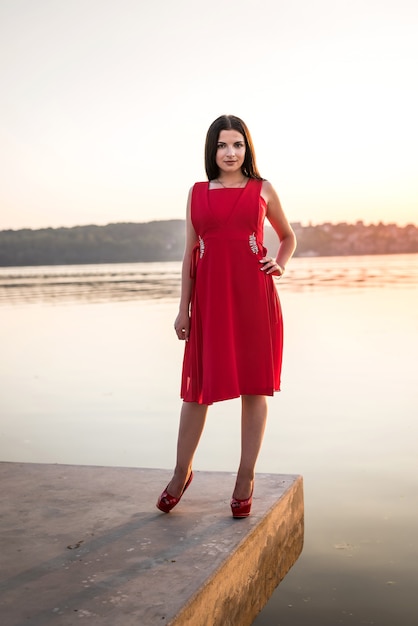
point(166, 502)
point(241, 508)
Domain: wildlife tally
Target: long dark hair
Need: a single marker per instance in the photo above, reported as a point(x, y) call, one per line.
point(229, 122)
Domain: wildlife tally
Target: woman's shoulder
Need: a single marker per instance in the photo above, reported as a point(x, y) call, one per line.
point(266, 185)
point(197, 189)
point(198, 186)
point(268, 192)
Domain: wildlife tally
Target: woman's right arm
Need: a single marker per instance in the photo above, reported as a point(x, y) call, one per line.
point(182, 323)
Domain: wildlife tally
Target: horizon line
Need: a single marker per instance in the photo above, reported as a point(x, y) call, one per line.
point(302, 224)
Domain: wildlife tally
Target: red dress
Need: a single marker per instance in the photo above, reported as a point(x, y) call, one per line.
point(236, 332)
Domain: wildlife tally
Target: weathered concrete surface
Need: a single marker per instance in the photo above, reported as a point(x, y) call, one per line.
point(87, 542)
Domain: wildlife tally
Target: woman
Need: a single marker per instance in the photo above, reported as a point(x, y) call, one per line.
point(229, 314)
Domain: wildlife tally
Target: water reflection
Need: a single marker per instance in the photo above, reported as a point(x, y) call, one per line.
point(93, 283)
point(94, 379)
point(144, 281)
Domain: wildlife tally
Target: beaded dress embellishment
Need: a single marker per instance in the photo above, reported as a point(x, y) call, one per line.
point(201, 246)
point(253, 243)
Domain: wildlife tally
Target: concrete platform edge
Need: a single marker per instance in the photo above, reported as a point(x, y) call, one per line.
point(254, 569)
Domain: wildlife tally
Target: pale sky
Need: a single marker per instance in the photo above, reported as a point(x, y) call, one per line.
point(105, 104)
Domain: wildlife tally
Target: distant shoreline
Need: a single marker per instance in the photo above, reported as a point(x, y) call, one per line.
point(164, 241)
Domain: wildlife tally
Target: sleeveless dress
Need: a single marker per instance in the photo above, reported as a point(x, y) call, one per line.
point(236, 332)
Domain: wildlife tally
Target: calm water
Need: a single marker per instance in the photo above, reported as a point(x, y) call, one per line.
point(90, 372)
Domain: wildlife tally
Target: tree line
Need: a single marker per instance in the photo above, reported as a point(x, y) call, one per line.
point(164, 241)
point(114, 243)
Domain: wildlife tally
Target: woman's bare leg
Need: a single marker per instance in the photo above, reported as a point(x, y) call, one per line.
point(253, 424)
point(192, 422)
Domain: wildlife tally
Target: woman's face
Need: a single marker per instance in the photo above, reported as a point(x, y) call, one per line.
point(231, 151)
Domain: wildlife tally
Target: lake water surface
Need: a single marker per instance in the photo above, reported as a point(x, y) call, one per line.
point(90, 374)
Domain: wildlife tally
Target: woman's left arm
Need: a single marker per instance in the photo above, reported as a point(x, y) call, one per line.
point(280, 223)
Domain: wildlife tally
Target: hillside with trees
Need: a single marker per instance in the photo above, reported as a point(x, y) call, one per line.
point(114, 243)
point(164, 241)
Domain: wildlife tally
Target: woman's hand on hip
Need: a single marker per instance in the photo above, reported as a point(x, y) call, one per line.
point(270, 266)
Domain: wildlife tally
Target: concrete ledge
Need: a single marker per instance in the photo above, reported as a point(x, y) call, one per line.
point(87, 542)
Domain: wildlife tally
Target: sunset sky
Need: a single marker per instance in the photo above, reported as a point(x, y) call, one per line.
point(105, 105)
